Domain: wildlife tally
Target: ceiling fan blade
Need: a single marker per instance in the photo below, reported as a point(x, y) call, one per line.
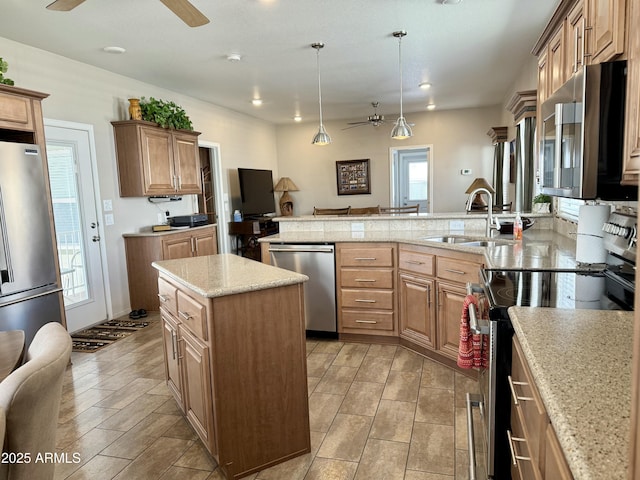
point(64, 5)
point(356, 125)
point(187, 12)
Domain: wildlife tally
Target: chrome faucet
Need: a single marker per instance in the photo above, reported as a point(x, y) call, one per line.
point(490, 222)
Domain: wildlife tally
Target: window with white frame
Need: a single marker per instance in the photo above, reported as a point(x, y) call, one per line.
point(569, 208)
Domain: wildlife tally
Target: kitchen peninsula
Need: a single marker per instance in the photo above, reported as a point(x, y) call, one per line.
point(235, 357)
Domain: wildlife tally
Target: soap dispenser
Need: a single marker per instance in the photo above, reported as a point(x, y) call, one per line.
point(517, 227)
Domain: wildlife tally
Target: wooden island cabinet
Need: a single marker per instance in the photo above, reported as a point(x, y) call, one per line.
point(235, 358)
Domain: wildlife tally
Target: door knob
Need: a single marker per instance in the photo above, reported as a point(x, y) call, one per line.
point(94, 224)
point(95, 238)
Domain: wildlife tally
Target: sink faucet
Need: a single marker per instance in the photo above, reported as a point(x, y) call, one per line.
point(490, 222)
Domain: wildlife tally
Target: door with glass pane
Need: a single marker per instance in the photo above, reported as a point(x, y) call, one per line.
point(412, 173)
point(69, 156)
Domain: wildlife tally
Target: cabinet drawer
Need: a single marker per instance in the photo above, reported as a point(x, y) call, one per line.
point(192, 314)
point(369, 256)
point(366, 277)
point(367, 320)
point(457, 270)
point(528, 400)
point(367, 298)
point(167, 296)
point(416, 262)
point(526, 467)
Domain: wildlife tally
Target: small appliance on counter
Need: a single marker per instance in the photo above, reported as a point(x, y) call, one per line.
point(193, 220)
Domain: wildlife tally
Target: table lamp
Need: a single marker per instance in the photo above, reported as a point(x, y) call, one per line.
point(286, 185)
point(478, 199)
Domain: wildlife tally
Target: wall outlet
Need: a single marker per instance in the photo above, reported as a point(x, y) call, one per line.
point(456, 224)
point(107, 205)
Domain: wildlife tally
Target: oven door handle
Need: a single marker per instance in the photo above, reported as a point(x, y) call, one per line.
point(477, 326)
point(473, 400)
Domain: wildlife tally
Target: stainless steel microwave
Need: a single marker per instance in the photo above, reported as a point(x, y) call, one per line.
point(582, 136)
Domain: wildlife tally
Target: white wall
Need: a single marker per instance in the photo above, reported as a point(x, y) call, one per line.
point(85, 94)
point(458, 137)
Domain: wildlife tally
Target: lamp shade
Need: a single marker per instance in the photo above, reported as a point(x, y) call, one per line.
point(322, 137)
point(480, 183)
point(285, 184)
point(401, 129)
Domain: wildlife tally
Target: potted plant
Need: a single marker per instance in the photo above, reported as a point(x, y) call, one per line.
point(541, 203)
point(3, 69)
point(164, 113)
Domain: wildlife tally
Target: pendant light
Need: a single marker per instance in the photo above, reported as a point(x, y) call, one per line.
point(401, 129)
point(322, 137)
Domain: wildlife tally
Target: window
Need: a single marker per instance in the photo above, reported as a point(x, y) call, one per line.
point(569, 208)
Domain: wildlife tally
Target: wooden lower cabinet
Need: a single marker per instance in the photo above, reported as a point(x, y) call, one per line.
point(238, 373)
point(534, 445)
point(450, 299)
point(417, 309)
point(142, 249)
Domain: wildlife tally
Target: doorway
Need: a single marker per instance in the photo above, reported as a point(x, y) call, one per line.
point(74, 191)
point(213, 196)
point(411, 177)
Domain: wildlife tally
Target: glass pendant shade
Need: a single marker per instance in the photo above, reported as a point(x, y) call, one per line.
point(401, 129)
point(322, 137)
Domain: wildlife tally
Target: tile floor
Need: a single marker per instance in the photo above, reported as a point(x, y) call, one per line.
point(376, 412)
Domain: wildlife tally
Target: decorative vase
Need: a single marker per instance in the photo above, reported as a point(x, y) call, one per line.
point(134, 109)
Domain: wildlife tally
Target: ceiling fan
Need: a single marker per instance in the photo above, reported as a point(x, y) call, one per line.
point(374, 119)
point(182, 8)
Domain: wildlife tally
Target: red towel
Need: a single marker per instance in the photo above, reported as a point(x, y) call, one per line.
point(473, 348)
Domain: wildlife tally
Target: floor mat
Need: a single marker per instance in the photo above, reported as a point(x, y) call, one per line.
point(100, 336)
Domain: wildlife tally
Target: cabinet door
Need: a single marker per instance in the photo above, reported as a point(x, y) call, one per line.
point(576, 40)
point(417, 310)
point(171, 358)
point(187, 163)
point(177, 246)
point(450, 299)
point(556, 60)
point(205, 243)
point(198, 400)
point(607, 19)
point(16, 112)
point(157, 161)
point(632, 128)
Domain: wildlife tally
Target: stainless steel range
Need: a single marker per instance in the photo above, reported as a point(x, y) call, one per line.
point(611, 287)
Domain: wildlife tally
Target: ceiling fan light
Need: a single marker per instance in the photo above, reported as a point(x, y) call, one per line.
point(322, 137)
point(401, 129)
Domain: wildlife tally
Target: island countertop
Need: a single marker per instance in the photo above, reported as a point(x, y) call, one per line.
point(226, 274)
point(581, 364)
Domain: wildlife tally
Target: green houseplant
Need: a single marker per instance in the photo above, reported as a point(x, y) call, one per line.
point(4, 66)
point(164, 113)
point(541, 203)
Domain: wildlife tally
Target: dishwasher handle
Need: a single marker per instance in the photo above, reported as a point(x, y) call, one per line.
point(302, 249)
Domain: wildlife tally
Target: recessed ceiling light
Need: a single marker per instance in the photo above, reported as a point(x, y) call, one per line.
point(450, 2)
point(234, 57)
point(114, 49)
point(424, 85)
point(297, 118)
point(431, 106)
point(257, 102)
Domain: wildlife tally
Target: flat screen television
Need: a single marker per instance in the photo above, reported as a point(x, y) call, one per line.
point(256, 192)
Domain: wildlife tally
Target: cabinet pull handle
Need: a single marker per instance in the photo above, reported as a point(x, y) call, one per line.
point(429, 296)
point(179, 183)
point(173, 344)
point(365, 258)
point(184, 315)
point(512, 448)
point(366, 280)
point(514, 395)
point(180, 357)
point(457, 272)
point(415, 262)
point(366, 321)
point(364, 300)
point(163, 298)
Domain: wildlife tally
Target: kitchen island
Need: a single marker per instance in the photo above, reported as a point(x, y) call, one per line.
point(580, 361)
point(235, 357)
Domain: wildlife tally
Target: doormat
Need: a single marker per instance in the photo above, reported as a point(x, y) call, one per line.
point(94, 338)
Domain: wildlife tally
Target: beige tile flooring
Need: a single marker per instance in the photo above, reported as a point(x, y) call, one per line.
point(376, 412)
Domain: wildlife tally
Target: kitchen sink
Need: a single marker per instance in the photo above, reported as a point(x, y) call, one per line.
point(449, 239)
point(468, 241)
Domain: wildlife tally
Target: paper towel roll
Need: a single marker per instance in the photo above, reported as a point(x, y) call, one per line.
point(589, 242)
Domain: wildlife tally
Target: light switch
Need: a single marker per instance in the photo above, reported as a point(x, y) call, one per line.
point(108, 219)
point(107, 205)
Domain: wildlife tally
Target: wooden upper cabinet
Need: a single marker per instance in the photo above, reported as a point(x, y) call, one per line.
point(556, 54)
point(543, 76)
point(156, 161)
point(607, 28)
point(576, 47)
point(631, 169)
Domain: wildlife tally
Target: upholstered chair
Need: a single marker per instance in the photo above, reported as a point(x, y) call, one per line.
point(30, 398)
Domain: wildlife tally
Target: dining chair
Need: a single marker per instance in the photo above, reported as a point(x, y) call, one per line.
point(365, 210)
point(30, 397)
point(331, 211)
point(405, 209)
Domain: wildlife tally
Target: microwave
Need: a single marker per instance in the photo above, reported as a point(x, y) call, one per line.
point(582, 137)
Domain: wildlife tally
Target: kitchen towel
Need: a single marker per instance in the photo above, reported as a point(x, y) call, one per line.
point(473, 348)
point(589, 241)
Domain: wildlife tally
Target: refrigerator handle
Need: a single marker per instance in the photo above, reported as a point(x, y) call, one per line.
point(6, 272)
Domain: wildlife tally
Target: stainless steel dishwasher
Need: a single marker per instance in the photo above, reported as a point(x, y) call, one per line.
point(317, 261)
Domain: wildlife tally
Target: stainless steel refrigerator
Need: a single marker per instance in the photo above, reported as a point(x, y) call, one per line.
point(29, 289)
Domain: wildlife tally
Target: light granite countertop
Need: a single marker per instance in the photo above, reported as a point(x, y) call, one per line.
point(147, 232)
point(581, 363)
point(226, 274)
point(539, 249)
